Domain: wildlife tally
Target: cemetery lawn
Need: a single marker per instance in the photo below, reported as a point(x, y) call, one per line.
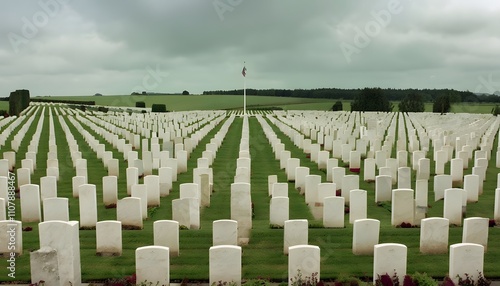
point(263, 257)
point(228, 102)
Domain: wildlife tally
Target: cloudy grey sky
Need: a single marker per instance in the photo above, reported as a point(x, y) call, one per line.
point(77, 47)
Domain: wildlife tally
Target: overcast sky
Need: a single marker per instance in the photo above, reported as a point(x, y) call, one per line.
point(76, 47)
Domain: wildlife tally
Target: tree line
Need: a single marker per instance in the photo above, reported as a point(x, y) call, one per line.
point(392, 94)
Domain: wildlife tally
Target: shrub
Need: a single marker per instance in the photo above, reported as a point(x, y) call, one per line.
point(103, 109)
point(496, 110)
point(158, 108)
point(422, 279)
point(337, 106)
point(18, 101)
point(140, 104)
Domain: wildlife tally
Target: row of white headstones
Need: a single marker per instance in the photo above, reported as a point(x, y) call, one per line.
point(405, 208)
point(108, 234)
point(242, 180)
point(185, 209)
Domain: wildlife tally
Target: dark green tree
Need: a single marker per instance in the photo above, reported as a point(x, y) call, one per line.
point(158, 107)
point(185, 92)
point(18, 101)
point(371, 99)
point(413, 102)
point(337, 106)
point(442, 104)
point(141, 104)
point(496, 110)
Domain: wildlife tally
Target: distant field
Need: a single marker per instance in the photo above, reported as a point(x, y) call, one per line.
point(199, 102)
point(214, 102)
point(4, 105)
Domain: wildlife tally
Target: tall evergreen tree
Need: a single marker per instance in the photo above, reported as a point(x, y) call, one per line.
point(442, 104)
point(413, 102)
point(371, 99)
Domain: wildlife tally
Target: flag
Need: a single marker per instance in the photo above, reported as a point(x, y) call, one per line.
point(244, 71)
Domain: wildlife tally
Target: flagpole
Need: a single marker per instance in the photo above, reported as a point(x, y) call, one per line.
point(244, 90)
point(244, 96)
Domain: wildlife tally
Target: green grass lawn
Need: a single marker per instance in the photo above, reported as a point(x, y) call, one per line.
point(263, 257)
point(194, 102)
point(214, 102)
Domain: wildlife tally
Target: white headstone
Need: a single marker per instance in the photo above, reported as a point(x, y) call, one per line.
point(44, 266)
point(23, 177)
point(358, 205)
point(338, 174)
point(30, 203)
point(421, 200)
point(48, 187)
point(330, 164)
point(466, 258)
point(389, 258)
point(300, 178)
point(152, 183)
point(278, 213)
point(403, 207)
point(369, 170)
point(383, 188)
point(110, 191)
point(333, 212)
point(3, 213)
point(56, 209)
point(63, 237)
point(365, 236)
point(434, 234)
point(291, 166)
point(271, 180)
point(453, 206)
point(326, 190)
point(166, 233)
point(441, 183)
point(88, 206)
point(152, 265)
point(280, 190)
point(205, 188)
point(471, 186)
point(225, 232)
point(109, 238)
point(496, 212)
point(404, 178)
point(475, 230)
point(77, 181)
point(423, 169)
point(311, 188)
point(165, 175)
point(349, 183)
point(141, 192)
point(187, 212)
point(241, 208)
point(132, 178)
point(295, 233)
point(225, 264)
point(129, 212)
point(114, 168)
point(303, 259)
point(11, 230)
